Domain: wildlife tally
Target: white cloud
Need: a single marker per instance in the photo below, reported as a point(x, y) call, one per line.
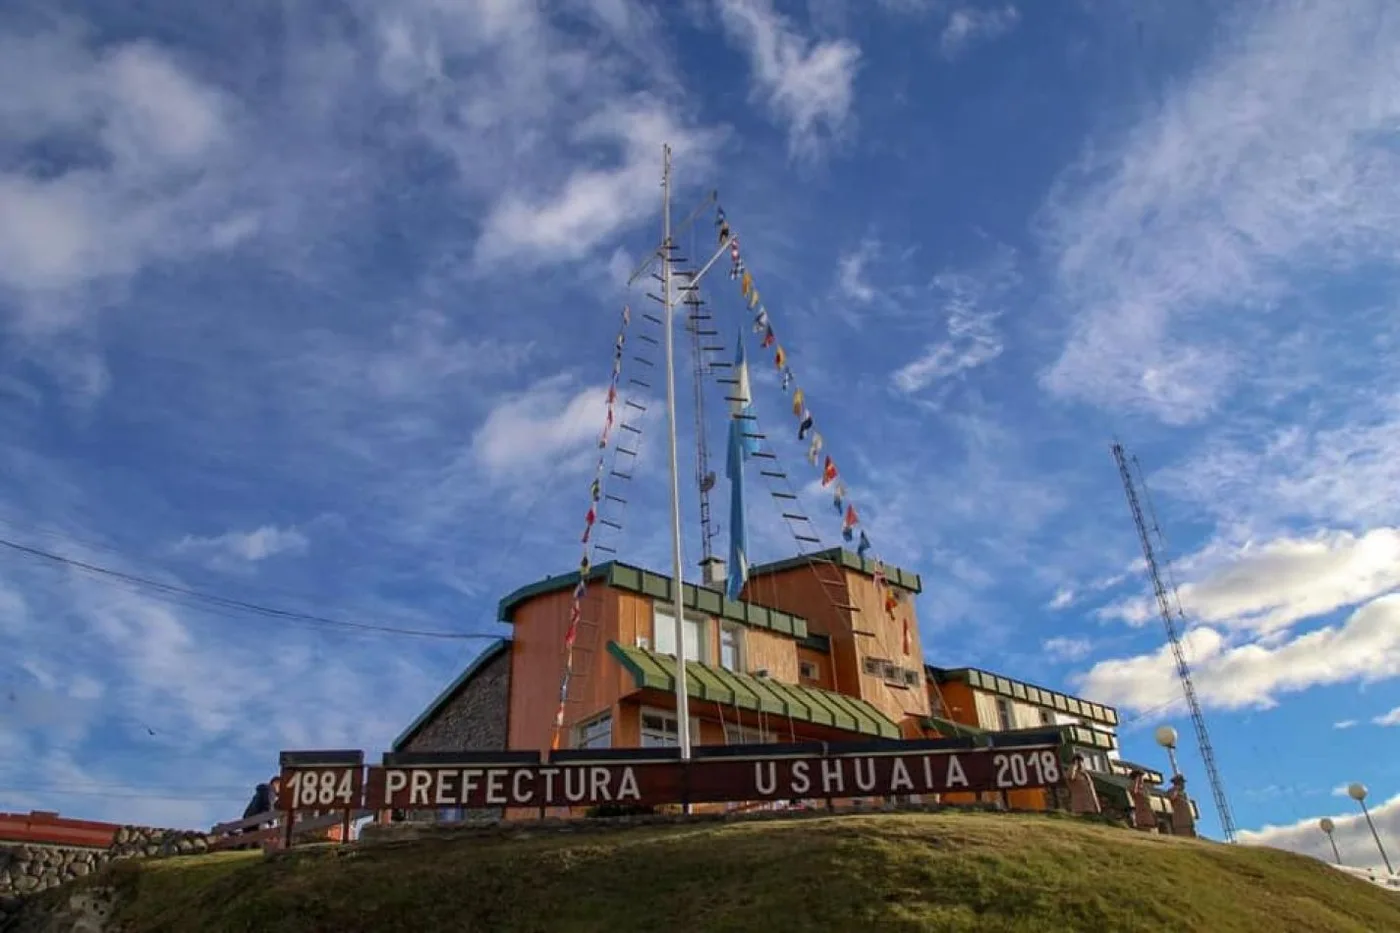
point(1334, 472)
point(968, 25)
point(972, 338)
point(850, 268)
point(807, 84)
point(530, 431)
point(593, 205)
point(1274, 158)
point(1344, 724)
point(152, 191)
point(1063, 599)
point(1391, 718)
point(1066, 649)
point(1365, 647)
point(250, 546)
point(1353, 837)
point(1268, 587)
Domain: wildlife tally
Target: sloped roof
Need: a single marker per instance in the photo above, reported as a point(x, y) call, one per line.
point(637, 580)
point(759, 694)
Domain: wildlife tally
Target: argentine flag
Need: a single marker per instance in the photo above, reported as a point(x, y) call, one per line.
point(740, 447)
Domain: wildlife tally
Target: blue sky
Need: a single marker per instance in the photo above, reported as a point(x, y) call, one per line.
point(315, 309)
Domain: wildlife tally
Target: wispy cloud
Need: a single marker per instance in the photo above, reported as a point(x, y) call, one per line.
point(1344, 724)
point(1391, 718)
point(1067, 649)
point(850, 273)
point(972, 305)
point(1273, 161)
point(969, 25)
point(808, 84)
point(249, 546)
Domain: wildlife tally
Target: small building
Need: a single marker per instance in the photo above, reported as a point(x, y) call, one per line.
point(823, 647)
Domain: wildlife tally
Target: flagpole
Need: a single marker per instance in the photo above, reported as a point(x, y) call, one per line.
point(677, 575)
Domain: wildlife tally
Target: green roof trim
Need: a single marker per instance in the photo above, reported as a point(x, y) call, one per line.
point(1071, 735)
point(771, 697)
point(842, 558)
point(636, 580)
point(1024, 692)
point(491, 652)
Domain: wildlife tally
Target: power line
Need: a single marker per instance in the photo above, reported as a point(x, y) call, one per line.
point(288, 615)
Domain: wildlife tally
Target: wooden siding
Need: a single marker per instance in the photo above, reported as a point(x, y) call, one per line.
point(537, 665)
point(887, 643)
point(822, 661)
point(959, 703)
point(798, 591)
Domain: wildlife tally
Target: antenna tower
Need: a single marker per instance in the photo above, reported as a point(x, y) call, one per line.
point(697, 323)
point(1169, 604)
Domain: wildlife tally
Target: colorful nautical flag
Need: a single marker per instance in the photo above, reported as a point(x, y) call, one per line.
point(848, 524)
point(863, 546)
point(805, 426)
point(828, 471)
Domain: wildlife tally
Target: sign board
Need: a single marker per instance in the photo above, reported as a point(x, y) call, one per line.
point(478, 785)
point(321, 780)
point(652, 777)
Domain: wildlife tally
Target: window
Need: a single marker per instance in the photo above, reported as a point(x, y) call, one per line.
point(596, 733)
point(659, 729)
point(1047, 718)
point(731, 647)
point(808, 670)
point(735, 734)
point(663, 635)
point(1005, 719)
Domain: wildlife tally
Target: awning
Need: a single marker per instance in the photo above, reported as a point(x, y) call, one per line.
point(710, 682)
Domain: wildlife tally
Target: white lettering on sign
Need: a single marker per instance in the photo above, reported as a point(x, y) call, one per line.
point(899, 777)
point(771, 771)
point(418, 790)
point(315, 787)
point(627, 787)
point(517, 788)
point(394, 782)
point(801, 780)
point(1015, 769)
point(833, 781)
point(956, 775)
point(496, 786)
point(865, 777)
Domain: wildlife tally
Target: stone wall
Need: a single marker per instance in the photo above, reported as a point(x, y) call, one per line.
point(473, 718)
point(28, 869)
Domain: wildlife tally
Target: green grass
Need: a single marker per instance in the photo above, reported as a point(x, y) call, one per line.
point(893, 872)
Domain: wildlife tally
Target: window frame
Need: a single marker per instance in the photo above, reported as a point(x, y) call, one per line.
point(1006, 714)
point(581, 730)
point(803, 668)
point(702, 632)
point(666, 715)
point(740, 649)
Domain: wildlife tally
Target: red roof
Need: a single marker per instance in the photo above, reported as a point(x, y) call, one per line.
point(48, 828)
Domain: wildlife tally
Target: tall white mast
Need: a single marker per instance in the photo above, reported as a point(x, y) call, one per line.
point(677, 565)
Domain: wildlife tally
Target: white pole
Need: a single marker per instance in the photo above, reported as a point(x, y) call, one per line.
point(677, 579)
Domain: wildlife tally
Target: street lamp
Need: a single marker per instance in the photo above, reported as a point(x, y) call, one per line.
point(1326, 825)
point(1358, 793)
point(1166, 737)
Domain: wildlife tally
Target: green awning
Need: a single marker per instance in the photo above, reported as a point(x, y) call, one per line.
point(654, 671)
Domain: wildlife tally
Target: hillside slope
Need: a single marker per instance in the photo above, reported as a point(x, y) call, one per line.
point(944, 871)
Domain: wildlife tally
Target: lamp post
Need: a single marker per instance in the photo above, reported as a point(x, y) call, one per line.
point(1358, 793)
point(1166, 737)
point(1326, 825)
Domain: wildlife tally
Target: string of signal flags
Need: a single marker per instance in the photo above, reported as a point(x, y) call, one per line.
point(590, 520)
point(851, 528)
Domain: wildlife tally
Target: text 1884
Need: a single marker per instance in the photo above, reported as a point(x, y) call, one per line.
point(329, 787)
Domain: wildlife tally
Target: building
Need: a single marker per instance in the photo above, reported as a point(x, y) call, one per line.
point(818, 648)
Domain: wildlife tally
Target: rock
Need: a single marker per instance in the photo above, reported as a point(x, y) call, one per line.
point(80, 868)
point(26, 883)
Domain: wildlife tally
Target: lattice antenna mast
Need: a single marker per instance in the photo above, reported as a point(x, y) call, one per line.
point(698, 322)
point(1169, 605)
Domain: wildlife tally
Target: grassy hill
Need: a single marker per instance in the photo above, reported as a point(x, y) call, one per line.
point(892, 872)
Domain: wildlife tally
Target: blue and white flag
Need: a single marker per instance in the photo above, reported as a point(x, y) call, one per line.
point(740, 447)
